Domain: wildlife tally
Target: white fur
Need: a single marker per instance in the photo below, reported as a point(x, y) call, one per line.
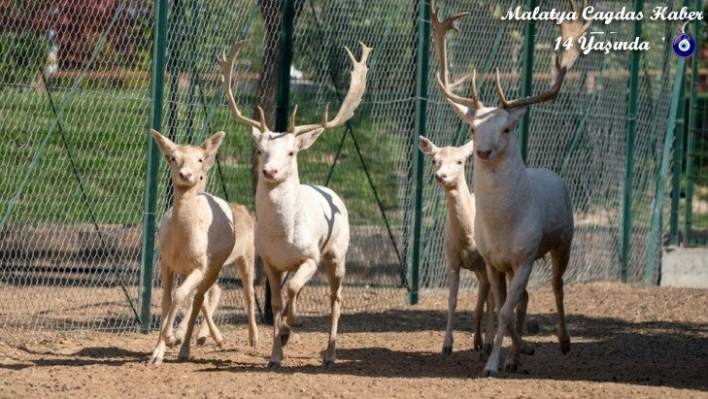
point(242, 257)
point(460, 246)
point(522, 214)
point(297, 226)
point(195, 238)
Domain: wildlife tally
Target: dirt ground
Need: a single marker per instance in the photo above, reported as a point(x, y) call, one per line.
point(627, 342)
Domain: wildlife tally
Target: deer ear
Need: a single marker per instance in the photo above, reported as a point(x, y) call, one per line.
point(515, 114)
point(255, 135)
point(426, 146)
point(165, 145)
point(304, 141)
point(211, 145)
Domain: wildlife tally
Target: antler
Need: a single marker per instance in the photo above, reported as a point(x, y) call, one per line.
point(440, 29)
point(571, 29)
point(357, 87)
point(227, 64)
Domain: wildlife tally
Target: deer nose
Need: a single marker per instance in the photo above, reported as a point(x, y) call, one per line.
point(440, 177)
point(185, 175)
point(270, 173)
point(484, 154)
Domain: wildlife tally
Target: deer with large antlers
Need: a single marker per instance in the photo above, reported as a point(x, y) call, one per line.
point(522, 213)
point(297, 225)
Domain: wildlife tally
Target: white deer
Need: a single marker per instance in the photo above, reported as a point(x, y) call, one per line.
point(297, 225)
point(195, 239)
point(522, 213)
point(460, 246)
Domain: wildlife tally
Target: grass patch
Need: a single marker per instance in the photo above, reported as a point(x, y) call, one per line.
point(105, 133)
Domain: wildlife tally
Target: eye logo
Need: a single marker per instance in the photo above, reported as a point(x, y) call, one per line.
point(684, 45)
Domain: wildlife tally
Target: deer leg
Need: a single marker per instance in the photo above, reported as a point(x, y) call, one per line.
point(485, 295)
point(516, 288)
point(335, 265)
point(275, 281)
point(482, 292)
point(211, 301)
point(453, 285)
point(303, 274)
point(208, 312)
point(244, 265)
point(198, 305)
point(512, 362)
point(167, 283)
point(181, 294)
point(559, 260)
point(495, 282)
point(182, 326)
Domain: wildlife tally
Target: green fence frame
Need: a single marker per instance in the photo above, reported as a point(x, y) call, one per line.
point(422, 61)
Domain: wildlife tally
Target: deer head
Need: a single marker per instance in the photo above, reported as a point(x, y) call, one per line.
point(492, 126)
point(448, 162)
point(189, 164)
point(277, 151)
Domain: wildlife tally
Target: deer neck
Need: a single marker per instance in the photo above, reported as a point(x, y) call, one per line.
point(277, 205)
point(185, 216)
point(502, 189)
point(460, 208)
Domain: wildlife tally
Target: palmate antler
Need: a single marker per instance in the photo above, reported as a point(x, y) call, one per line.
point(227, 64)
point(570, 29)
point(357, 87)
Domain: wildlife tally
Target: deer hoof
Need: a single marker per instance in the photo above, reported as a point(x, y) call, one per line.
point(489, 373)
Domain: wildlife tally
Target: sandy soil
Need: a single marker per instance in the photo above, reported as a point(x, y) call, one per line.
point(627, 342)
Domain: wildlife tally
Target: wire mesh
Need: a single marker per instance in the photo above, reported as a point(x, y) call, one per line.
point(75, 103)
point(581, 136)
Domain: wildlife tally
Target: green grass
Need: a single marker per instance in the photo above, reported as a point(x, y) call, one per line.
point(106, 135)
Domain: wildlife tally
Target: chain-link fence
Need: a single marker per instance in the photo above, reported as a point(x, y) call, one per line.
point(76, 105)
point(582, 136)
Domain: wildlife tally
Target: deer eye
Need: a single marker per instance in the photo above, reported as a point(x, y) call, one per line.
point(259, 152)
point(201, 160)
point(506, 130)
point(291, 153)
point(172, 159)
point(459, 162)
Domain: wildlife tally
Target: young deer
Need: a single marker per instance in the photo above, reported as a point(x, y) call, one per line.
point(460, 246)
point(522, 213)
point(242, 257)
point(195, 239)
point(297, 225)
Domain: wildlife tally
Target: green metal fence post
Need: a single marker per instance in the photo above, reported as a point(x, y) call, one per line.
point(692, 128)
point(677, 166)
point(157, 93)
point(282, 101)
point(672, 126)
point(527, 78)
point(421, 104)
point(192, 70)
point(631, 133)
point(678, 159)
